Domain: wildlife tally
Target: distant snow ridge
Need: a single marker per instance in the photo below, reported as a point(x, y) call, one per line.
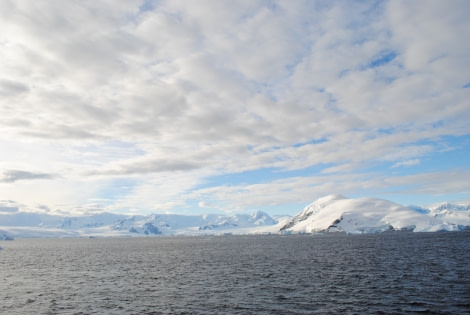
point(5, 236)
point(369, 215)
point(258, 218)
point(165, 224)
point(452, 214)
point(333, 213)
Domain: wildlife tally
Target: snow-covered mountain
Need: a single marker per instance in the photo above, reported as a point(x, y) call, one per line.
point(369, 215)
point(173, 223)
point(23, 224)
point(332, 213)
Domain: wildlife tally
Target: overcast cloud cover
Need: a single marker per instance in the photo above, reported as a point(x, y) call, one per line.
point(205, 106)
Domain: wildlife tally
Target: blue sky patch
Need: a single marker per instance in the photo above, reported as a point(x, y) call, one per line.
point(383, 59)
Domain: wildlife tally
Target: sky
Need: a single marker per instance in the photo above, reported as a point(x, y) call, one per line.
point(208, 106)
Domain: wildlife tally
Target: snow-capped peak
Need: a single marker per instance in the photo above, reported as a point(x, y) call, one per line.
point(337, 213)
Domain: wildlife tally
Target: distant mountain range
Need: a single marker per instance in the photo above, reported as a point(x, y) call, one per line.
point(26, 225)
point(333, 213)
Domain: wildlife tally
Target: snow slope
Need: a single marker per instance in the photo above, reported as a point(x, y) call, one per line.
point(370, 215)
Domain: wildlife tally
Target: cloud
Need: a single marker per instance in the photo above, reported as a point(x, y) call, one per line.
point(205, 204)
point(407, 163)
point(104, 90)
point(433, 183)
point(10, 88)
point(8, 209)
point(194, 80)
point(10, 206)
point(12, 176)
point(148, 167)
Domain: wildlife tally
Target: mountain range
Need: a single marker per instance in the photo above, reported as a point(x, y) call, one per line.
point(333, 213)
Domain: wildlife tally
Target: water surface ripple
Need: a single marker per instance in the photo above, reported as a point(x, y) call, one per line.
point(396, 273)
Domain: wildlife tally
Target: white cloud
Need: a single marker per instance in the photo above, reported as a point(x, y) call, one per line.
point(407, 163)
point(205, 204)
point(451, 181)
point(11, 176)
point(180, 91)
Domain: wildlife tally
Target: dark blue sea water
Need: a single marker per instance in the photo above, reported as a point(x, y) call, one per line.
point(390, 273)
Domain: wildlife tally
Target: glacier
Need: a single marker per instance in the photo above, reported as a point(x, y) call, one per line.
point(332, 213)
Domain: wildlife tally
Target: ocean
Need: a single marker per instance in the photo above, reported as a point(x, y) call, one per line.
point(388, 273)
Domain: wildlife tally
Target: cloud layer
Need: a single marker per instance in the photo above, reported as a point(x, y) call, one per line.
point(175, 98)
point(12, 176)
